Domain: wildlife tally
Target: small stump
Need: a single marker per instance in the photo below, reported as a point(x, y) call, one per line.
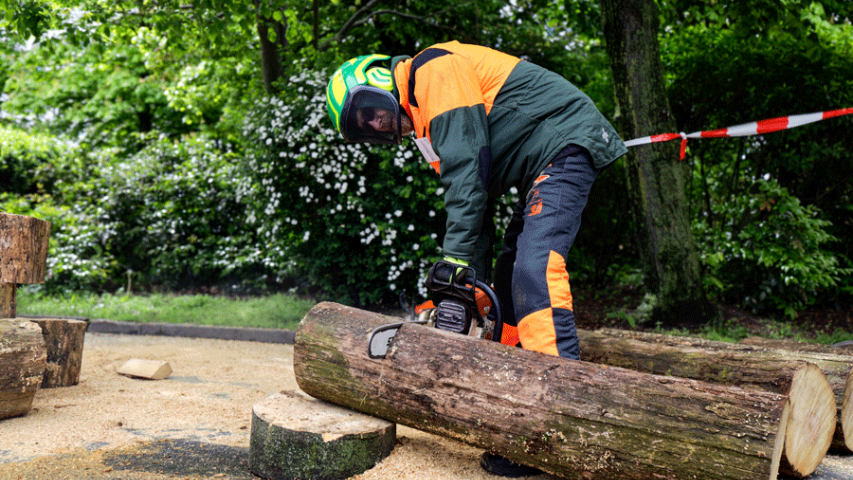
point(64, 339)
point(297, 436)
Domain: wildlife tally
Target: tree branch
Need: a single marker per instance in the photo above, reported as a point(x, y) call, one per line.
point(363, 15)
point(348, 25)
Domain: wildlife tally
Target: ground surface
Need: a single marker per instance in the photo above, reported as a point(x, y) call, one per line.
point(196, 423)
point(193, 425)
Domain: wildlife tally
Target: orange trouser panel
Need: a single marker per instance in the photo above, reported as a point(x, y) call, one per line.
point(536, 330)
point(537, 333)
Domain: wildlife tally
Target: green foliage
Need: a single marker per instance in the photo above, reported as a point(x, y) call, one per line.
point(76, 257)
point(169, 213)
point(734, 62)
point(26, 161)
point(765, 250)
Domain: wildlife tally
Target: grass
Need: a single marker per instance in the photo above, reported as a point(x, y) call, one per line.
point(274, 311)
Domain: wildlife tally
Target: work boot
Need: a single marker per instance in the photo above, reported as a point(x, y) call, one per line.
point(500, 466)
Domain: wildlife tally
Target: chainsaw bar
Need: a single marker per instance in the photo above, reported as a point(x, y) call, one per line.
point(380, 339)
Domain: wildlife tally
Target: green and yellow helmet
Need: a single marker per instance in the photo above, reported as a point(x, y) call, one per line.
point(359, 88)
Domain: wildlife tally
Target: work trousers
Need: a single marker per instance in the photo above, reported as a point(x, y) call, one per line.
point(531, 279)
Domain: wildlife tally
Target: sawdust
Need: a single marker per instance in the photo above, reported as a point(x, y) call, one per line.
point(195, 424)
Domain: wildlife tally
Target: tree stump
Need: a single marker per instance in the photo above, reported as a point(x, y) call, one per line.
point(721, 362)
point(296, 436)
point(22, 362)
point(569, 418)
point(64, 341)
point(23, 257)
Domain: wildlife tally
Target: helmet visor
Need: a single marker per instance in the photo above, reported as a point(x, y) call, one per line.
point(370, 115)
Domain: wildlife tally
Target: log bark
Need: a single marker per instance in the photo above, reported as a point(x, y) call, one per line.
point(23, 256)
point(843, 348)
point(296, 436)
point(22, 361)
point(721, 362)
point(568, 418)
point(63, 339)
point(8, 300)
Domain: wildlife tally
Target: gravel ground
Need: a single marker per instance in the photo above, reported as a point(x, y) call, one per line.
point(196, 423)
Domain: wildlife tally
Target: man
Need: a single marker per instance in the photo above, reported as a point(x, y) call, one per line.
point(487, 122)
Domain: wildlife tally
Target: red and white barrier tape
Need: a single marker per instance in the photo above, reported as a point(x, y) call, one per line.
point(746, 129)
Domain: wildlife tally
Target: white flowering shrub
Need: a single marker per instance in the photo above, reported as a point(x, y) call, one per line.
point(165, 216)
point(365, 223)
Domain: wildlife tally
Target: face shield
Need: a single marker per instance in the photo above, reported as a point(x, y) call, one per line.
point(371, 115)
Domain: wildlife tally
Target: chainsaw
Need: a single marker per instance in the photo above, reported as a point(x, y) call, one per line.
point(461, 304)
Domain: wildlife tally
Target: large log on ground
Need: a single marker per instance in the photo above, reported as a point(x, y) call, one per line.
point(23, 257)
point(722, 362)
point(569, 418)
point(22, 361)
point(296, 436)
point(63, 339)
point(842, 348)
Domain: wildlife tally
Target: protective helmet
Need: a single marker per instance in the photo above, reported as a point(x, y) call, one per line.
point(358, 91)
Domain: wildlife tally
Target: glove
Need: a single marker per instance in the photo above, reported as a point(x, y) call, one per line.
point(443, 271)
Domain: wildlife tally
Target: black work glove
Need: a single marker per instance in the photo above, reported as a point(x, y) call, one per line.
point(450, 270)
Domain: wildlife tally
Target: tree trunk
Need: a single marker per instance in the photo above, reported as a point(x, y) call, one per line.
point(721, 362)
point(23, 257)
point(569, 418)
point(271, 51)
point(656, 179)
point(22, 361)
point(64, 341)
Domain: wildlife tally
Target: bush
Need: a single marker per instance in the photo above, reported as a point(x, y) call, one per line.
point(766, 252)
point(26, 161)
point(166, 216)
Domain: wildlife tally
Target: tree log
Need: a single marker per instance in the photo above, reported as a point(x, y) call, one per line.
point(296, 436)
point(22, 361)
point(23, 256)
point(721, 362)
point(843, 348)
point(64, 341)
point(8, 300)
point(569, 418)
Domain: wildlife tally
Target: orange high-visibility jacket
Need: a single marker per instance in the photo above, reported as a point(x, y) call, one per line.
point(495, 121)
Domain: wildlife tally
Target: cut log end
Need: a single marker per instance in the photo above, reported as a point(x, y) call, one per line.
point(811, 421)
